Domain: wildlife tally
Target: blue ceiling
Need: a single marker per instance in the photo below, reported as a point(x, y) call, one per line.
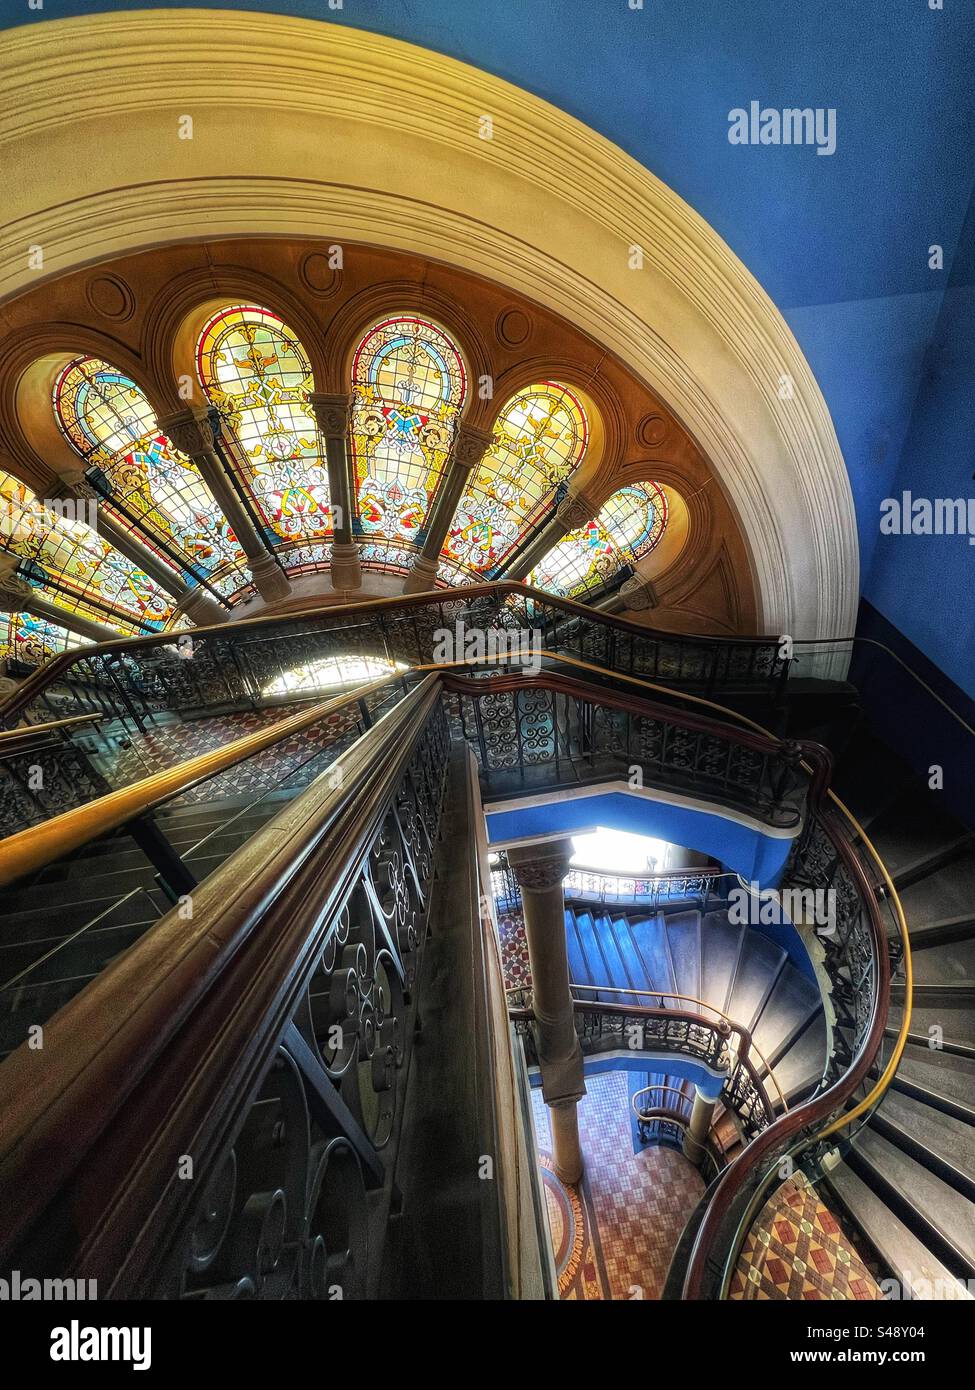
point(839, 242)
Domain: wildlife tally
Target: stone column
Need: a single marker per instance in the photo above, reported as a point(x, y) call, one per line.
point(333, 414)
point(192, 433)
point(695, 1138)
point(198, 605)
point(572, 512)
point(540, 870)
point(469, 447)
point(17, 596)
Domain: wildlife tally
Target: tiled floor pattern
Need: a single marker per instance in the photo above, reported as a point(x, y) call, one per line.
point(164, 745)
point(635, 1204)
point(799, 1251)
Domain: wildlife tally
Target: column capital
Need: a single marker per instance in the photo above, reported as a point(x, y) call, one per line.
point(539, 868)
point(574, 511)
point(470, 446)
point(333, 412)
point(15, 593)
point(190, 430)
point(638, 593)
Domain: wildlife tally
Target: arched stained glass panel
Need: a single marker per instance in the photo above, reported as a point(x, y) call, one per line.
point(31, 640)
point(629, 525)
point(108, 419)
point(539, 441)
point(65, 558)
point(255, 371)
point(409, 384)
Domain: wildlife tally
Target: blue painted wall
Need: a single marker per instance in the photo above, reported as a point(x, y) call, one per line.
point(748, 852)
point(840, 242)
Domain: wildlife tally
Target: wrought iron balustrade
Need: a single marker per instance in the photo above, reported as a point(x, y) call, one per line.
point(548, 731)
point(266, 1040)
point(233, 666)
point(866, 929)
point(633, 1029)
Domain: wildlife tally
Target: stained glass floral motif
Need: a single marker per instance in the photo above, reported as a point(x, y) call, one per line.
point(31, 640)
point(108, 419)
point(629, 525)
point(539, 441)
point(408, 384)
point(74, 568)
point(254, 369)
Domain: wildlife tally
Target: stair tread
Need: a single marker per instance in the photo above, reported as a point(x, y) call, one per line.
point(898, 1247)
point(948, 1139)
point(946, 1211)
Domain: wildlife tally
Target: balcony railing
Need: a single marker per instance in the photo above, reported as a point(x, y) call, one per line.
point(268, 1038)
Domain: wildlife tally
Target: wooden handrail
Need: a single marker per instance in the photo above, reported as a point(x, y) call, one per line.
point(775, 1140)
point(39, 845)
point(163, 1050)
point(28, 730)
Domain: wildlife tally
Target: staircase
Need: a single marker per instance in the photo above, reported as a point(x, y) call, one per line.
point(64, 926)
point(733, 970)
point(908, 1181)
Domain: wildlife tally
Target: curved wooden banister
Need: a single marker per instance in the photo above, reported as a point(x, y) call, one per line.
point(162, 1053)
point(769, 1146)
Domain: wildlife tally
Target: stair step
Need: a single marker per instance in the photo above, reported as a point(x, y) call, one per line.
point(939, 1142)
point(895, 1245)
point(940, 1217)
point(684, 935)
point(948, 963)
point(946, 929)
point(958, 1023)
point(933, 861)
point(650, 940)
point(940, 1079)
point(758, 971)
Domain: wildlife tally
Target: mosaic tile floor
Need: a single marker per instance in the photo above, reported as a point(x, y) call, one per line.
point(799, 1251)
point(616, 1231)
point(167, 744)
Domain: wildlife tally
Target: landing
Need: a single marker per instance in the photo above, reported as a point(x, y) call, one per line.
point(614, 1234)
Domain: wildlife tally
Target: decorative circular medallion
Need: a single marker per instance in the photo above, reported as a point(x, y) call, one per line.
point(513, 327)
point(317, 275)
point(110, 297)
point(652, 431)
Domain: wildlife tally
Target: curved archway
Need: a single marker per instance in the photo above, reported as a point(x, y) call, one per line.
point(693, 324)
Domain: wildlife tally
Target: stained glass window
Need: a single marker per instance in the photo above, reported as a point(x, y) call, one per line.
point(408, 384)
point(108, 419)
point(539, 440)
point(629, 525)
point(63, 556)
point(31, 640)
point(257, 374)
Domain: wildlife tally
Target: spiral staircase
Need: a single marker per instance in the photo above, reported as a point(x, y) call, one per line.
point(298, 1029)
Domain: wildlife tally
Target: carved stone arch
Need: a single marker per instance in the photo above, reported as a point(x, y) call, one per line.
point(384, 300)
point(694, 325)
point(178, 315)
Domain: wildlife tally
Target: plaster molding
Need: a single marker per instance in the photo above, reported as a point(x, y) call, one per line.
point(693, 324)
